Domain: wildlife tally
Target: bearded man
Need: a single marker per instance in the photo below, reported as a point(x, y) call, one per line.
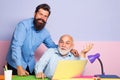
point(29, 34)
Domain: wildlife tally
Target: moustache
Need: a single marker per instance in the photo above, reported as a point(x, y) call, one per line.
point(40, 20)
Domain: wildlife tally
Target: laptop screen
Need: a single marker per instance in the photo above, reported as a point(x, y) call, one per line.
point(69, 69)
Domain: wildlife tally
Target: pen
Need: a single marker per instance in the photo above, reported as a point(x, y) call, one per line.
point(3, 68)
point(42, 78)
point(6, 67)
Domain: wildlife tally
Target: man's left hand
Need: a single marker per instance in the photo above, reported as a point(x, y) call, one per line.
point(74, 52)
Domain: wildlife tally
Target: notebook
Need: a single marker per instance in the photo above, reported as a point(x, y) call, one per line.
point(69, 69)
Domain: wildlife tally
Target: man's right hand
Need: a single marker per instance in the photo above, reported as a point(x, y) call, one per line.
point(21, 71)
point(40, 75)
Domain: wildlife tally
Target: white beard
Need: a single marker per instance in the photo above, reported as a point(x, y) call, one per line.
point(64, 52)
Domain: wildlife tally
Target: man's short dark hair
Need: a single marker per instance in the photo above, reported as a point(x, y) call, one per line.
point(43, 6)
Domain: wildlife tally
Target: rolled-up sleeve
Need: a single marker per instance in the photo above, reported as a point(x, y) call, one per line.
point(18, 39)
point(49, 42)
point(43, 62)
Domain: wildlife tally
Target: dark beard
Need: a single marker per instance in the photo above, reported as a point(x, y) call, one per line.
point(38, 26)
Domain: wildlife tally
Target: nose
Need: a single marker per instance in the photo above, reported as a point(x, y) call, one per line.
point(44, 18)
point(63, 45)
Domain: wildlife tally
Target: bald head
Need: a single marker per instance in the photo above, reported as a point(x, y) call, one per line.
point(65, 44)
point(66, 37)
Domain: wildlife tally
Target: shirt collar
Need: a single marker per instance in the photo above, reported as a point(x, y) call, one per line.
point(57, 52)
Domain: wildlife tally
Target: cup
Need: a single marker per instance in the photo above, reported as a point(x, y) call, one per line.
point(8, 75)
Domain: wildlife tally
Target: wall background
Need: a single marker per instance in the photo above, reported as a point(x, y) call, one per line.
point(96, 21)
point(85, 20)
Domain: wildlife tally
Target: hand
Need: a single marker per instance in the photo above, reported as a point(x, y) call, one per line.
point(21, 71)
point(40, 75)
point(88, 48)
point(74, 52)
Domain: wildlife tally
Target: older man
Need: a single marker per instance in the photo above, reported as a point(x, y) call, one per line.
point(45, 67)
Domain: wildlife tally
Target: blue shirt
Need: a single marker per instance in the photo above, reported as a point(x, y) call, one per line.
point(24, 43)
point(47, 63)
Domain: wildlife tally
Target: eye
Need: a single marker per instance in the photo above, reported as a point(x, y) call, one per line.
point(67, 43)
point(45, 16)
point(61, 41)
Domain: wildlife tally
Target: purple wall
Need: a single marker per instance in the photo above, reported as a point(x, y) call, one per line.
point(85, 20)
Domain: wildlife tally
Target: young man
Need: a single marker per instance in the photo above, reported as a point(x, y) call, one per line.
point(46, 65)
point(29, 34)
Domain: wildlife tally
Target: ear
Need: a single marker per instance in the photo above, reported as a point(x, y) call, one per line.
point(34, 14)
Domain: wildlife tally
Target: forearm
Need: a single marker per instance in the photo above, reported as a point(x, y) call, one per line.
point(17, 43)
point(16, 55)
point(19, 67)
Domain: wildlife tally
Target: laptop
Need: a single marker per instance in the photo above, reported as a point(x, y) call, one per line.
point(69, 69)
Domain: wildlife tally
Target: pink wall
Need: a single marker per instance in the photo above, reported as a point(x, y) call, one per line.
point(4, 45)
point(110, 55)
point(109, 51)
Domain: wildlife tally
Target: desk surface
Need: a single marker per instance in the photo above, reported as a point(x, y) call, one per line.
point(15, 77)
point(31, 77)
point(91, 79)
